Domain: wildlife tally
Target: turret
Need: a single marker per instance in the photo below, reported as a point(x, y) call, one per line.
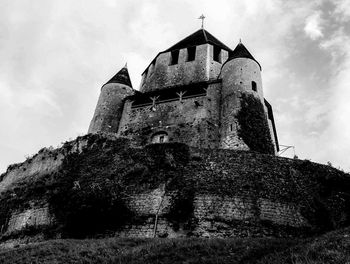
point(110, 103)
point(240, 78)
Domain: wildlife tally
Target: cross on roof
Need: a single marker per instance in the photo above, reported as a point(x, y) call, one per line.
point(202, 17)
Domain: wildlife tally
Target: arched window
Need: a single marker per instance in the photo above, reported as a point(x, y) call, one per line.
point(160, 137)
point(254, 86)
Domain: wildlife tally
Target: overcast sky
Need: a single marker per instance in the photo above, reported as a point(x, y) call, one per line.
point(56, 54)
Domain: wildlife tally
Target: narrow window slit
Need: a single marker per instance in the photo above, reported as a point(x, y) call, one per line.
point(217, 54)
point(191, 53)
point(254, 86)
point(174, 57)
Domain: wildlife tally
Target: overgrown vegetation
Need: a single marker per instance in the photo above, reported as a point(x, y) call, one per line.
point(253, 126)
point(88, 194)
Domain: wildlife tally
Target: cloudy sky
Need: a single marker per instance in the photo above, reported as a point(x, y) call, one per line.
point(56, 54)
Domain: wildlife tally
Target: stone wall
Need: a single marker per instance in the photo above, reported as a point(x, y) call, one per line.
point(230, 193)
point(213, 216)
point(162, 75)
point(109, 108)
point(42, 163)
point(34, 217)
point(237, 76)
point(194, 121)
point(282, 214)
point(45, 162)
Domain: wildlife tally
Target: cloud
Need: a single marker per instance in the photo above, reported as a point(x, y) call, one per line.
point(337, 134)
point(342, 10)
point(313, 26)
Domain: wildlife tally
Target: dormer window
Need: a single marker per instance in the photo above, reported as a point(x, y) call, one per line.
point(191, 53)
point(254, 86)
point(217, 54)
point(174, 57)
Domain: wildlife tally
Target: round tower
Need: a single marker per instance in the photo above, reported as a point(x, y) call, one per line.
point(240, 75)
point(111, 102)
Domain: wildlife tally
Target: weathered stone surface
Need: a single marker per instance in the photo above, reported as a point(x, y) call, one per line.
point(45, 162)
point(153, 202)
point(33, 217)
point(194, 121)
point(162, 74)
point(109, 108)
point(206, 120)
point(42, 163)
point(225, 193)
point(282, 214)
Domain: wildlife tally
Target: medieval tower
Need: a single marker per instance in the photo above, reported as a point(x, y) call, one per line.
point(190, 93)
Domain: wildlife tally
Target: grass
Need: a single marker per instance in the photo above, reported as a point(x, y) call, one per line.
point(333, 247)
point(119, 250)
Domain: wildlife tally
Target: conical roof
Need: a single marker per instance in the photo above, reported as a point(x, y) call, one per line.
point(121, 77)
point(241, 52)
point(199, 37)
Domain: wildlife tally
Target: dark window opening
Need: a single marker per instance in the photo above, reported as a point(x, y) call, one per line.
point(231, 127)
point(217, 54)
point(160, 137)
point(191, 53)
point(174, 57)
point(254, 86)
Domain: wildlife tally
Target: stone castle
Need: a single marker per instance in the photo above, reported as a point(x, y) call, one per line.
point(189, 93)
point(213, 178)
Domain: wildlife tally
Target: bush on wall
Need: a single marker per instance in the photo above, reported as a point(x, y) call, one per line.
point(253, 125)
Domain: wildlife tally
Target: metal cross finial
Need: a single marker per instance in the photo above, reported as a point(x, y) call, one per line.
point(202, 17)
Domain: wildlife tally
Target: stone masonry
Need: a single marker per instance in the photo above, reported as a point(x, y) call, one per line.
point(189, 93)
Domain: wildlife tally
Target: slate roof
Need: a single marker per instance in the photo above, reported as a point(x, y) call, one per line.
point(199, 37)
point(241, 52)
point(121, 77)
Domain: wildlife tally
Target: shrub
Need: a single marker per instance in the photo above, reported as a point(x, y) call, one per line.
point(253, 125)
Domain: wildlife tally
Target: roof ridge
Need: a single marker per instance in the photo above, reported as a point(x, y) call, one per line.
point(205, 35)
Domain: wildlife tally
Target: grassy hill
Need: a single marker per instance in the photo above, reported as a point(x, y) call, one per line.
point(333, 247)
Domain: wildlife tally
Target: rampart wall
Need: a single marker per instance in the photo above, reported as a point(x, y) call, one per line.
point(46, 161)
point(168, 190)
point(213, 216)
